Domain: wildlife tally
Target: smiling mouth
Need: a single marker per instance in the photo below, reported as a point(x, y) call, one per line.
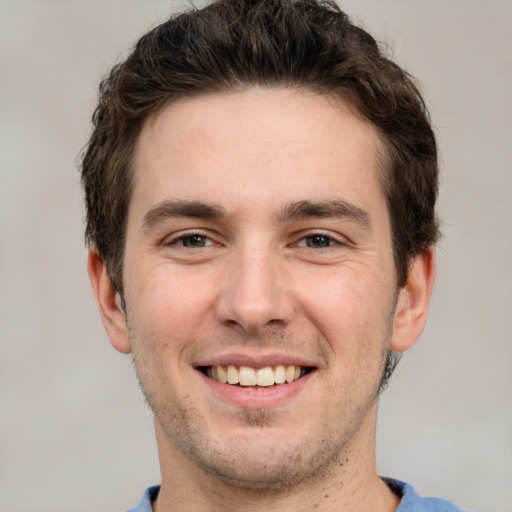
point(246, 376)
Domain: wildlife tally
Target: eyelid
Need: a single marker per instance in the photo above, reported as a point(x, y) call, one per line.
point(336, 238)
point(186, 233)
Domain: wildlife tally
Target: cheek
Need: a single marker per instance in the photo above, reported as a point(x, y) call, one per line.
point(347, 297)
point(352, 313)
point(170, 299)
point(167, 313)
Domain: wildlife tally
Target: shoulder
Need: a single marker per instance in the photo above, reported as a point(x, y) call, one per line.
point(413, 502)
point(147, 499)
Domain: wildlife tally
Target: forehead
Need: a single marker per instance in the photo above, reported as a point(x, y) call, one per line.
point(260, 145)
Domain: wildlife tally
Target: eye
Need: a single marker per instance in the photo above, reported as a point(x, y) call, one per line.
point(317, 241)
point(193, 241)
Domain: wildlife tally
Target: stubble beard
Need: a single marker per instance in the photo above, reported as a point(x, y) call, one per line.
point(269, 467)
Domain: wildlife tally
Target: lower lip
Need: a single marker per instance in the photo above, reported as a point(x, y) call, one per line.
point(256, 397)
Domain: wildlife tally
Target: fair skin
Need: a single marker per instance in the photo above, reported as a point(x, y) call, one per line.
point(258, 237)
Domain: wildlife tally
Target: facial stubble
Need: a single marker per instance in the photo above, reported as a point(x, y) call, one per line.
point(266, 467)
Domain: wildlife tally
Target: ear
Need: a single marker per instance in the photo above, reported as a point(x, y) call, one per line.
point(413, 302)
point(109, 302)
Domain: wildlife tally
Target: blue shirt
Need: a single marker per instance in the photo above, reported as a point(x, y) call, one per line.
point(410, 502)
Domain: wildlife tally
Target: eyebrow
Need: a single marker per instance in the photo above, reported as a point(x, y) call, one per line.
point(291, 212)
point(321, 209)
point(180, 208)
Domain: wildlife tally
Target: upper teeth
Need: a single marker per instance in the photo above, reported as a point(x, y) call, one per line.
point(246, 376)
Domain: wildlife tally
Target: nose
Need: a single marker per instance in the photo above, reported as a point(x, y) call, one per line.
point(256, 293)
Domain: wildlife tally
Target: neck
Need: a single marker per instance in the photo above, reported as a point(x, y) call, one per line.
point(349, 486)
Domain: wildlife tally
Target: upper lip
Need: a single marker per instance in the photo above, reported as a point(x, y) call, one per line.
point(254, 360)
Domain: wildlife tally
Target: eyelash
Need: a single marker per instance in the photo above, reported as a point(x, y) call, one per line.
point(329, 239)
point(180, 240)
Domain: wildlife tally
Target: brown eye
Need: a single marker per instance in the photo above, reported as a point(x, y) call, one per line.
point(318, 241)
point(194, 241)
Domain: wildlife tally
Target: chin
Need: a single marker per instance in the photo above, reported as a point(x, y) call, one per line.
point(258, 457)
point(264, 471)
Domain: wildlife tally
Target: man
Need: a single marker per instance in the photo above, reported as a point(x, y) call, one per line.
point(260, 186)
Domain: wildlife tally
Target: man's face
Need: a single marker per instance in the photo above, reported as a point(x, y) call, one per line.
point(258, 243)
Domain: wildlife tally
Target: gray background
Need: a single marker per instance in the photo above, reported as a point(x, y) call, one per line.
point(75, 434)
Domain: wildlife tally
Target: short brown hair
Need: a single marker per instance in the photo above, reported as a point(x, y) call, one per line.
point(234, 44)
